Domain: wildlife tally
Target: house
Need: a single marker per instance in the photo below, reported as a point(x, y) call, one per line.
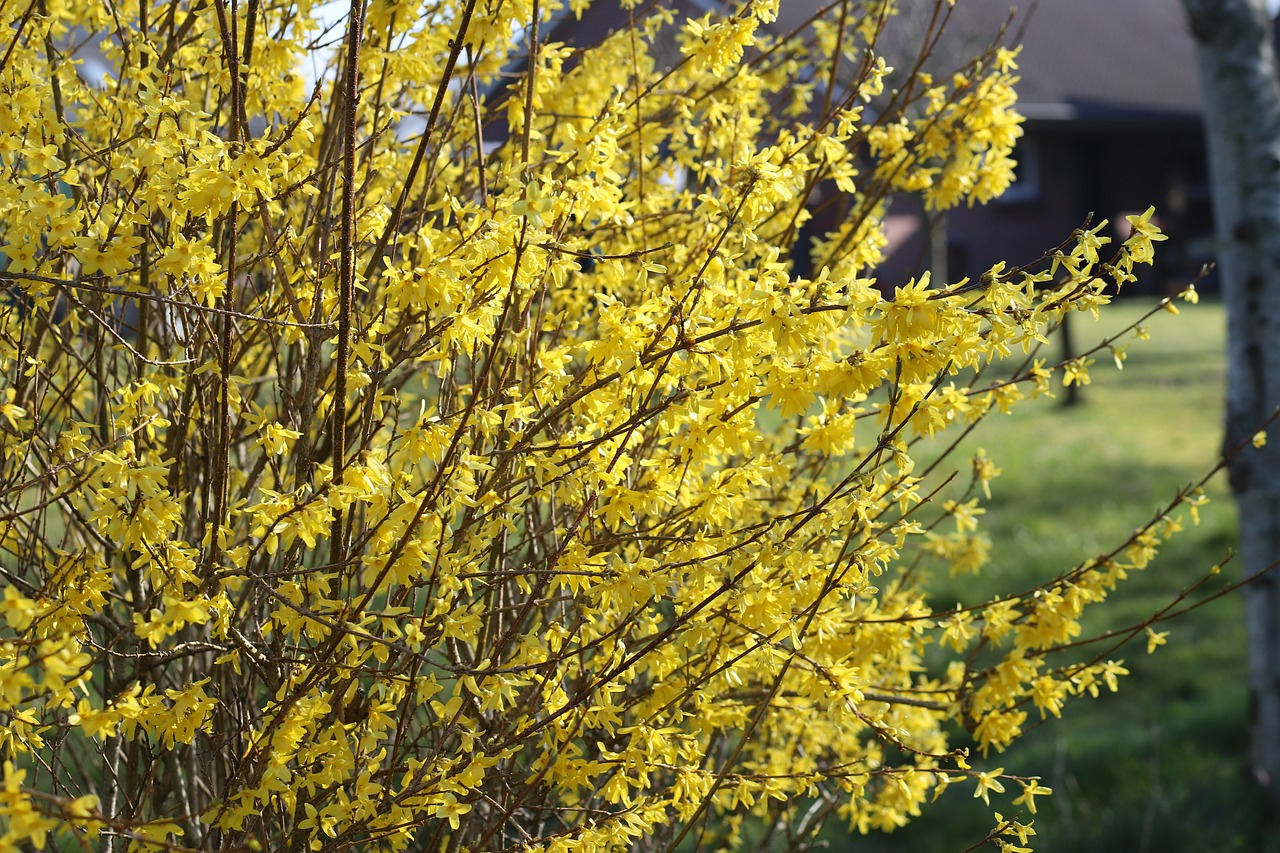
point(1112, 102)
point(1111, 97)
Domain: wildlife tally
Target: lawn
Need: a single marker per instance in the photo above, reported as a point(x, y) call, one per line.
point(1158, 766)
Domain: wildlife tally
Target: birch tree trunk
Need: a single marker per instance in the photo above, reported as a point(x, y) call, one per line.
point(1237, 64)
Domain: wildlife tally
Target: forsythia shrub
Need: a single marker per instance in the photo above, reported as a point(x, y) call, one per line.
point(451, 455)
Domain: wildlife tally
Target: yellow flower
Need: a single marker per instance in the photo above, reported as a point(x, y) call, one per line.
point(12, 412)
point(17, 609)
point(449, 807)
point(1142, 234)
point(988, 782)
point(533, 205)
point(46, 159)
point(1030, 790)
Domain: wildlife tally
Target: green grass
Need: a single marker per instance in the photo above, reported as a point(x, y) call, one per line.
point(1158, 766)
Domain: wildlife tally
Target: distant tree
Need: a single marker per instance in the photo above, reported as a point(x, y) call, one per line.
point(445, 458)
point(1236, 54)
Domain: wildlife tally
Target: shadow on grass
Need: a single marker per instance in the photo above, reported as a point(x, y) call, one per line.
point(1180, 789)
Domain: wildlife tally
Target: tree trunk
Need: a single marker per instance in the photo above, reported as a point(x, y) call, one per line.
point(1237, 63)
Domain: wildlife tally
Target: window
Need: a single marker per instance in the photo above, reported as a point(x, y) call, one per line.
point(1026, 174)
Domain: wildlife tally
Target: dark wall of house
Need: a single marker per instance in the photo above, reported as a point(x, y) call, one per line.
point(1108, 172)
point(1019, 231)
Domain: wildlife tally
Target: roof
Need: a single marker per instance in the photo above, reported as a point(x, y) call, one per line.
point(1104, 61)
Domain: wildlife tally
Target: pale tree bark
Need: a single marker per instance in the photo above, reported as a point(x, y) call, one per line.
point(1237, 63)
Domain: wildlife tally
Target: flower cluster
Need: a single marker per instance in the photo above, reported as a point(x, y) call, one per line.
point(456, 454)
